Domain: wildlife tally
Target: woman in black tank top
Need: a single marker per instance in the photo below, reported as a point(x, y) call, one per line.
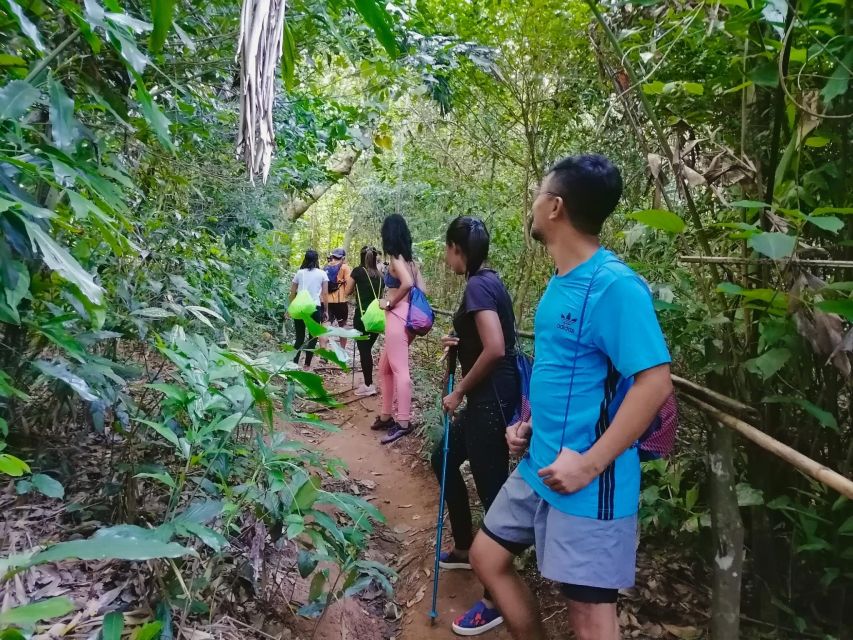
point(485, 341)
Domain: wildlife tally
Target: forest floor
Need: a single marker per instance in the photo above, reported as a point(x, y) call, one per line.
point(669, 601)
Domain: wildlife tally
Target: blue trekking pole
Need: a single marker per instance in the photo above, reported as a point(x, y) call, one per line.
point(451, 368)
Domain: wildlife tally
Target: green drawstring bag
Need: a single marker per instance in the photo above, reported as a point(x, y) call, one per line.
point(373, 318)
point(302, 306)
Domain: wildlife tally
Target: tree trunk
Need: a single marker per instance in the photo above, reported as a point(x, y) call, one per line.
point(297, 207)
point(727, 534)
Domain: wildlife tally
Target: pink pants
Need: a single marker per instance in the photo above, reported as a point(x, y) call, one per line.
point(394, 379)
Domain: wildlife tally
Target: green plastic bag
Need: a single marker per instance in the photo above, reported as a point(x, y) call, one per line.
point(373, 318)
point(302, 306)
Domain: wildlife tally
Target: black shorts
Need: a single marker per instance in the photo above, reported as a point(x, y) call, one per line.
point(339, 311)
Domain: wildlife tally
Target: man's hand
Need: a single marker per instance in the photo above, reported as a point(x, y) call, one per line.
point(570, 472)
point(452, 401)
point(518, 437)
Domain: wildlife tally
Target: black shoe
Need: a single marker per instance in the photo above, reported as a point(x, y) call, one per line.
point(382, 425)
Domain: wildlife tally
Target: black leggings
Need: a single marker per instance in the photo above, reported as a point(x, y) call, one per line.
point(299, 326)
point(478, 434)
point(365, 349)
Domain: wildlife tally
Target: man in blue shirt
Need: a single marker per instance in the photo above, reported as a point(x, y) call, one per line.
point(600, 375)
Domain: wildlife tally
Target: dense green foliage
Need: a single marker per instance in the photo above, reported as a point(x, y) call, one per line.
point(143, 279)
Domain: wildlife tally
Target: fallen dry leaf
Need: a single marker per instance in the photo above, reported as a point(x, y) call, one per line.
point(685, 633)
point(418, 597)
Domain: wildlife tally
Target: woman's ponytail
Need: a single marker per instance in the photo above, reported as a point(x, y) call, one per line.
point(472, 238)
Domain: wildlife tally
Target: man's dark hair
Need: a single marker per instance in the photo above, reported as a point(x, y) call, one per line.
point(396, 239)
point(590, 186)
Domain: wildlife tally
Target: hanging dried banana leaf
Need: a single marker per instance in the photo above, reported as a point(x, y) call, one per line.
point(259, 51)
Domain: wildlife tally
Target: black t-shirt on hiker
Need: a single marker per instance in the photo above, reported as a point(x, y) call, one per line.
point(486, 292)
point(366, 288)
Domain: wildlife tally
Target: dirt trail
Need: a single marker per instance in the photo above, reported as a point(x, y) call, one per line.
point(407, 493)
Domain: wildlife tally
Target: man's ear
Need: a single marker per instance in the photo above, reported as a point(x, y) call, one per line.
point(556, 208)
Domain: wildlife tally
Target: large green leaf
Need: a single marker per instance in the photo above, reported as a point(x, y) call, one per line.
point(113, 626)
point(158, 122)
point(378, 19)
point(29, 614)
point(26, 25)
point(774, 244)
point(13, 466)
point(208, 536)
point(825, 418)
point(749, 204)
point(61, 372)
point(16, 98)
point(843, 307)
point(48, 486)
point(163, 430)
point(63, 125)
point(152, 312)
point(766, 75)
point(306, 562)
point(149, 631)
point(833, 224)
point(659, 219)
point(201, 512)
point(161, 13)
point(58, 259)
point(310, 381)
point(769, 363)
point(318, 582)
point(134, 59)
point(747, 495)
point(288, 57)
point(837, 83)
point(123, 542)
point(21, 288)
point(162, 476)
point(307, 494)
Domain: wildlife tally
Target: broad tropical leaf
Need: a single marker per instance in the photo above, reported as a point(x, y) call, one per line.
point(659, 219)
point(27, 27)
point(47, 486)
point(161, 13)
point(378, 19)
point(16, 98)
point(63, 125)
point(113, 626)
point(28, 614)
point(774, 244)
point(158, 122)
point(58, 259)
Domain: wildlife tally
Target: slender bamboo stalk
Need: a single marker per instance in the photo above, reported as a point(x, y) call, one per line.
point(831, 264)
point(810, 467)
point(51, 56)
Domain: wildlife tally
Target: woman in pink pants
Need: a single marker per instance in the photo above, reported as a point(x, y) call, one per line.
point(394, 379)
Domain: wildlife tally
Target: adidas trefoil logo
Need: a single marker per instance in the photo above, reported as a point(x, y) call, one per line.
point(567, 322)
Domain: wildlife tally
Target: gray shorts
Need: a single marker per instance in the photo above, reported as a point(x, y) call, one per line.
point(569, 549)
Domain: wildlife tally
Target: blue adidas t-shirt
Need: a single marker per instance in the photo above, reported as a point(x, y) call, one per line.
point(620, 337)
